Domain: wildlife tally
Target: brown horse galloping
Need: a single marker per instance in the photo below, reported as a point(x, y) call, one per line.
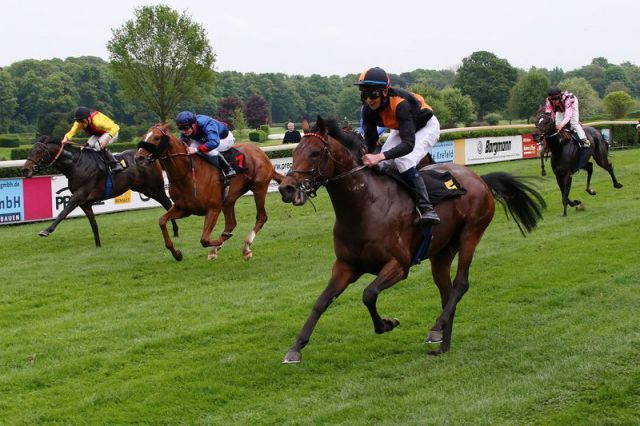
point(195, 187)
point(374, 230)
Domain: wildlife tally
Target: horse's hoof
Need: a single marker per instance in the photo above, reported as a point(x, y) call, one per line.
point(213, 255)
point(591, 191)
point(292, 357)
point(543, 173)
point(617, 185)
point(247, 255)
point(43, 233)
point(580, 207)
point(434, 337)
point(436, 352)
point(177, 255)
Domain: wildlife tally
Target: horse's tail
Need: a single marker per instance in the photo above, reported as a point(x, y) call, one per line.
point(278, 177)
point(522, 201)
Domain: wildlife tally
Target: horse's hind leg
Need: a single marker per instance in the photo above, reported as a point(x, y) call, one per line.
point(390, 274)
point(229, 212)
point(589, 168)
point(469, 238)
point(172, 214)
point(602, 159)
point(441, 272)
point(259, 196)
point(88, 211)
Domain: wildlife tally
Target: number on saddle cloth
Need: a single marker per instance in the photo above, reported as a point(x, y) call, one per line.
point(235, 158)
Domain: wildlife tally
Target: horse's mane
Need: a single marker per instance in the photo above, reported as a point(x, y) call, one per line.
point(354, 142)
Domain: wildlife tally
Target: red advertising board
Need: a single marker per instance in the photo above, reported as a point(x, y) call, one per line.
point(530, 148)
point(37, 198)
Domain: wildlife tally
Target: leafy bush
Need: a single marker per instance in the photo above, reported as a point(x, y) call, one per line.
point(20, 153)
point(493, 118)
point(9, 143)
point(621, 134)
point(257, 136)
point(265, 128)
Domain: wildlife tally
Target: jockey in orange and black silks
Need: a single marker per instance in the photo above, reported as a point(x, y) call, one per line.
point(414, 130)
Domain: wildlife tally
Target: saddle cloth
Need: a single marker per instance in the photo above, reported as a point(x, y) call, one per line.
point(440, 185)
point(236, 159)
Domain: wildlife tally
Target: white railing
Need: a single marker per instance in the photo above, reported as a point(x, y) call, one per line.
point(20, 163)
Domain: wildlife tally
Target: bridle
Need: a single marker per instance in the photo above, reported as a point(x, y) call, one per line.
point(38, 164)
point(317, 177)
point(156, 150)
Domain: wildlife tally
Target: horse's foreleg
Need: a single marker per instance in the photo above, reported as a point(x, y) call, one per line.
point(441, 272)
point(259, 196)
point(172, 214)
point(589, 168)
point(469, 239)
point(390, 274)
point(210, 220)
point(88, 211)
point(543, 172)
point(74, 202)
point(341, 276)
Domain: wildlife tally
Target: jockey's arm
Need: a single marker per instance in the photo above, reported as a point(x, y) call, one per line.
point(72, 132)
point(407, 130)
point(568, 113)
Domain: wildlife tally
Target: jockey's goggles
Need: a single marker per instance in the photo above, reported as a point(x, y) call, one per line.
point(371, 94)
point(185, 127)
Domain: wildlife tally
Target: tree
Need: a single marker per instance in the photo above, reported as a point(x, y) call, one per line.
point(239, 121)
point(8, 100)
point(349, 104)
point(616, 86)
point(588, 99)
point(257, 111)
point(460, 106)
point(227, 108)
point(487, 79)
point(161, 57)
point(528, 94)
point(617, 104)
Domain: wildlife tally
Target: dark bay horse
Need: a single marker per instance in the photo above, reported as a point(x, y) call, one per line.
point(567, 158)
point(88, 184)
point(374, 230)
point(196, 187)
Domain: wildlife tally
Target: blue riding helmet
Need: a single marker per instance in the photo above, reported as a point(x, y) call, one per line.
point(185, 118)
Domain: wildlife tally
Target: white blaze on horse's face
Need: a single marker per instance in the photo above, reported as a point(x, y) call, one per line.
point(146, 139)
point(540, 121)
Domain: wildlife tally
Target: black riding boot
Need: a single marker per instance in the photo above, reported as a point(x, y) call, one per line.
point(113, 165)
point(428, 215)
point(225, 167)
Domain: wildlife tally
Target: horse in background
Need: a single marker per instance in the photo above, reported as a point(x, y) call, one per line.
point(88, 179)
point(567, 157)
point(375, 233)
point(196, 187)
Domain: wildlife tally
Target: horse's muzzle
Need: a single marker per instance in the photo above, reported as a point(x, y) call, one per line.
point(27, 172)
point(292, 194)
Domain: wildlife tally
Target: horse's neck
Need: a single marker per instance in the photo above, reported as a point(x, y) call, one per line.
point(66, 162)
point(178, 164)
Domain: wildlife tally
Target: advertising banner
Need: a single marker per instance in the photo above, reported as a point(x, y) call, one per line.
point(443, 152)
point(282, 166)
point(530, 147)
point(11, 201)
point(492, 149)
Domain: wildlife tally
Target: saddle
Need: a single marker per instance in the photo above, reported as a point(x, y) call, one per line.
point(440, 185)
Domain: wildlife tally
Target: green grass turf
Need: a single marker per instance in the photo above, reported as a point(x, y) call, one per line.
point(547, 334)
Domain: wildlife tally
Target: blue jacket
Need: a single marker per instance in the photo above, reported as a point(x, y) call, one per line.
point(208, 132)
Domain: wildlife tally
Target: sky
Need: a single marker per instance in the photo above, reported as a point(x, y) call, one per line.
point(343, 37)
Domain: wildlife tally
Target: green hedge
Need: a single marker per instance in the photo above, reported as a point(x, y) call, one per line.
point(20, 153)
point(9, 143)
point(264, 128)
point(257, 136)
point(484, 133)
point(621, 134)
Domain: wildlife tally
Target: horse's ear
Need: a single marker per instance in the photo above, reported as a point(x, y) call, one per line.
point(322, 127)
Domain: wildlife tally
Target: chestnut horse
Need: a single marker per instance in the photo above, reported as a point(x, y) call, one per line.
point(375, 233)
point(88, 184)
point(196, 187)
point(567, 158)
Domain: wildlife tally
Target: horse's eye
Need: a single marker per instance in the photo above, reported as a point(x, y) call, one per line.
point(315, 154)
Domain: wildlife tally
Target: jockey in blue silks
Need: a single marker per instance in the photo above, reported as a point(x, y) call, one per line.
point(207, 137)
